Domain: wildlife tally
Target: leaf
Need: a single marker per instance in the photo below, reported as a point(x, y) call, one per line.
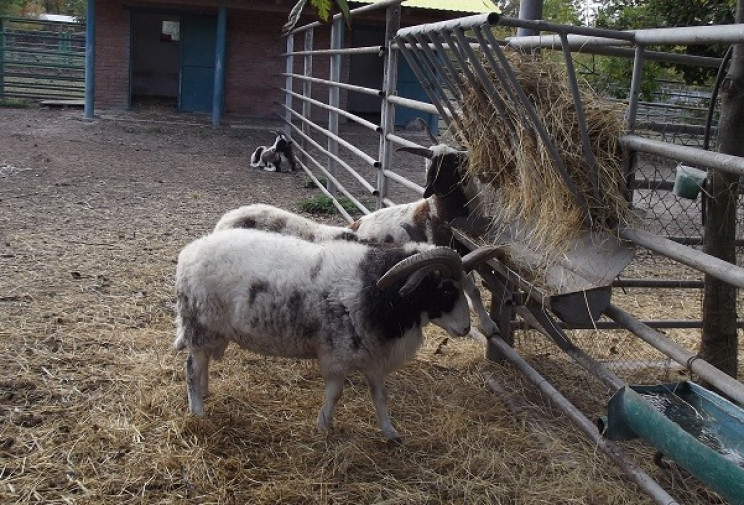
point(343, 7)
point(323, 9)
point(294, 16)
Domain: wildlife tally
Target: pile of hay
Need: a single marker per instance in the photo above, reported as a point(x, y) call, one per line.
point(520, 179)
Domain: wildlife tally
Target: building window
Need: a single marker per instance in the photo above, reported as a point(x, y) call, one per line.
point(170, 31)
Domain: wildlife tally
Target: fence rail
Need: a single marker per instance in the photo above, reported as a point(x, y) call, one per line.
point(41, 59)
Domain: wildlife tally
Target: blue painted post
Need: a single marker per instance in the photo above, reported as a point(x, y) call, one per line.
point(218, 102)
point(90, 59)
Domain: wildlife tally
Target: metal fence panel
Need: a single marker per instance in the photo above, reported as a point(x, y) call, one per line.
point(41, 59)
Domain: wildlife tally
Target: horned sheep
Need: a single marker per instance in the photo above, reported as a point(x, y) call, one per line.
point(351, 306)
point(448, 195)
point(260, 216)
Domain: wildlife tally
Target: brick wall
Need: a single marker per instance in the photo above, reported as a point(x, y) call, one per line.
point(112, 55)
point(254, 63)
point(254, 46)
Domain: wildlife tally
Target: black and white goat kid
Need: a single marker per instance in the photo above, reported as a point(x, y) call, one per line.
point(272, 158)
point(352, 306)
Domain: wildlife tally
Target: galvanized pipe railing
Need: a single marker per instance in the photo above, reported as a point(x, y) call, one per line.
point(348, 145)
point(341, 85)
point(331, 179)
point(689, 256)
point(379, 5)
point(339, 51)
point(637, 474)
point(725, 383)
point(361, 180)
point(343, 112)
point(692, 155)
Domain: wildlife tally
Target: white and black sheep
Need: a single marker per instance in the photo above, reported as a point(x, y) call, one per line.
point(448, 195)
point(260, 216)
point(270, 158)
point(351, 306)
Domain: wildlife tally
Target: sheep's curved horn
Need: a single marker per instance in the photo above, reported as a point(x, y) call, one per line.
point(425, 126)
point(485, 253)
point(419, 151)
point(443, 259)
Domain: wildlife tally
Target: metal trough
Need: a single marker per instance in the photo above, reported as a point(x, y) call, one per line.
point(701, 431)
point(576, 287)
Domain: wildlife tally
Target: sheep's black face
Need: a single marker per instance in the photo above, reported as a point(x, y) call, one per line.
point(445, 174)
point(281, 144)
point(437, 298)
point(445, 304)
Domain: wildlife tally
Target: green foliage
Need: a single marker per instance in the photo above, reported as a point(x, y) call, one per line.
point(612, 76)
point(15, 103)
point(75, 8)
point(10, 7)
point(635, 14)
point(309, 184)
point(324, 10)
point(567, 12)
point(322, 204)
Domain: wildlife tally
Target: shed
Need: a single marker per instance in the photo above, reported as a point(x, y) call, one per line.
point(220, 56)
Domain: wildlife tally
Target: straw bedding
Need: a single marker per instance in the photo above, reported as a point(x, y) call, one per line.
point(92, 397)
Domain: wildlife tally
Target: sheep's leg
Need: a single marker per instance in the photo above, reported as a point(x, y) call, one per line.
point(333, 390)
point(485, 324)
point(197, 368)
point(204, 380)
point(377, 390)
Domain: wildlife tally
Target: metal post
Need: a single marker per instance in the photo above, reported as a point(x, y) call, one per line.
point(307, 86)
point(629, 156)
point(337, 41)
point(387, 110)
point(90, 59)
point(218, 100)
point(288, 84)
point(529, 9)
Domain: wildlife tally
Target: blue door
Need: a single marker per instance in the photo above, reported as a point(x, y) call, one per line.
point(410, 87)
point(198, 39)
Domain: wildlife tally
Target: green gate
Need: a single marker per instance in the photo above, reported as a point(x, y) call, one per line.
point(41, 59)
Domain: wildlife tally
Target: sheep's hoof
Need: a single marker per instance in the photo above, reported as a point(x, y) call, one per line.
point(395, 441)
point(324, 425)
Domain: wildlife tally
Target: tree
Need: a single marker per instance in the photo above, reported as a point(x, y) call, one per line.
point(556, 11)
point(567, 12)
point(635, 14)
point(10, 7)
point(719, 345)
point(324, 11)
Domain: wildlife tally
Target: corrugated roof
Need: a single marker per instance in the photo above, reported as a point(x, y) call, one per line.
point(470, 6)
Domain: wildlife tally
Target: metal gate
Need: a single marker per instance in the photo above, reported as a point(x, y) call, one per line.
point(446, 56)
point(41, 59)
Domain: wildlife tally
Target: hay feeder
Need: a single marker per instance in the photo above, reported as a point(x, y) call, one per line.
point(544, 152)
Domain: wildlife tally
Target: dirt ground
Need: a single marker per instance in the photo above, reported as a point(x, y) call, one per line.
point(92, 396)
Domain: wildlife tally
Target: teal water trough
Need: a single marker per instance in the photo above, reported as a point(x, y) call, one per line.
point(698, 429)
